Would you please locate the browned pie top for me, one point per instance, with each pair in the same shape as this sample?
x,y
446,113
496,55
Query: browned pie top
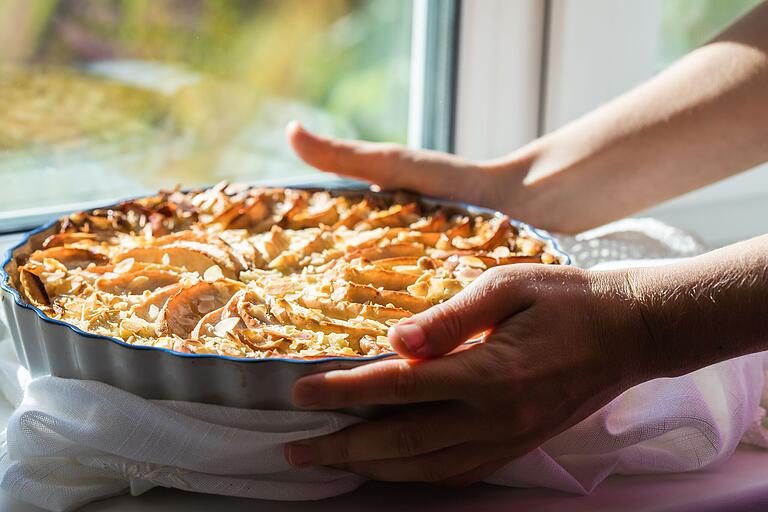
x,y
257,272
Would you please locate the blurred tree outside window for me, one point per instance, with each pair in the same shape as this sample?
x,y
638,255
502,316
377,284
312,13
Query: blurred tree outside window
x,y
687,24
113,98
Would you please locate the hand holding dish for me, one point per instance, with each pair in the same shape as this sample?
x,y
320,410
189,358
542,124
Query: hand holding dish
x,y
560,343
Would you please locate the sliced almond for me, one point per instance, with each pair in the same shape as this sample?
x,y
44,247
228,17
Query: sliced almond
x,y
124,266
224,326
213,273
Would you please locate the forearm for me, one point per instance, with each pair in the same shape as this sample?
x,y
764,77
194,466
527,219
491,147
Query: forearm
x,y
708,309
701,120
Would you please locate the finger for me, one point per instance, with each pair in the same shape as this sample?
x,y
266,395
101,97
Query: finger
x,y
430,467
493,296
405,435
394,381
475,475
390,166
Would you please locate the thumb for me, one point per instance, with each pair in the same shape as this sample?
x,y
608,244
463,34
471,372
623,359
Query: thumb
x,y
391,166
347,157
491,298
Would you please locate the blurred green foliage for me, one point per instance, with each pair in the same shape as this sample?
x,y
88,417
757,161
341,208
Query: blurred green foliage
x,y
347,57
687,24
227,74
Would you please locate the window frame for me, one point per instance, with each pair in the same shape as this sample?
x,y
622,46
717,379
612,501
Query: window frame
x,y
500,70
434,58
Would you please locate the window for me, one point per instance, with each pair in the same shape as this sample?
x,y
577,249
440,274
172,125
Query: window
x,y
598,49
107,99
733,209
101,99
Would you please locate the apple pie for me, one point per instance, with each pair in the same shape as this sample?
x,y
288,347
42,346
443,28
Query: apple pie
x,y
252,272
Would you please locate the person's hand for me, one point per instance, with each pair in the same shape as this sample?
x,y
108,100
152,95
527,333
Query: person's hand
x,y
560,342
432,173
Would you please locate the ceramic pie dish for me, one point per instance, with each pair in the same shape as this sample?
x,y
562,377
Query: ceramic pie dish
x,y
241,290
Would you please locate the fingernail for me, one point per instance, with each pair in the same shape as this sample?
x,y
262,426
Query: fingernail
x,y
293,125
411,335
306,392
298,455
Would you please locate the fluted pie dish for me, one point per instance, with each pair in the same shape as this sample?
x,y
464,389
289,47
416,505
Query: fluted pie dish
x,y
228,294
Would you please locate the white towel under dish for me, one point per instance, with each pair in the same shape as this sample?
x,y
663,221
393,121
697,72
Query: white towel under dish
x,y
71,442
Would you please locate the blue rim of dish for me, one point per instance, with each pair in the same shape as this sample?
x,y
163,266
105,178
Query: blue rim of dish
x,y
5,282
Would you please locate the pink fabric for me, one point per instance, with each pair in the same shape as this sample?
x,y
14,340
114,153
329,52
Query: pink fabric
x,y
662,426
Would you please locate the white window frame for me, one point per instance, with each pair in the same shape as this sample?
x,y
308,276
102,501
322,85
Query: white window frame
x,y
499,76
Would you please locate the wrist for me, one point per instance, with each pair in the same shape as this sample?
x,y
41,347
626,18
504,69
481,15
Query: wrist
x,y
513,195
627,325
546,182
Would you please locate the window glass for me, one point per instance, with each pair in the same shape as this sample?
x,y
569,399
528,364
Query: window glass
x,y
102,99
687,24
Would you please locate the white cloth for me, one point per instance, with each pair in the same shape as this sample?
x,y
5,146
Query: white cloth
x,y
70,442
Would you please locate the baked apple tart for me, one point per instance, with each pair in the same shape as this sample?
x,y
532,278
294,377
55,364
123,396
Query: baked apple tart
x,y
251,272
